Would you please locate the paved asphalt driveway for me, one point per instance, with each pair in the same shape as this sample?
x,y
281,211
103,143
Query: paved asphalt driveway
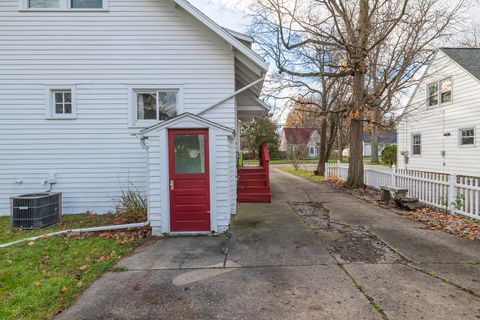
x,y
311,254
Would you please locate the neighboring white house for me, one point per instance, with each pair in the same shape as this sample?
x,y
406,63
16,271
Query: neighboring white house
x,y
97,96
305,138
384,139
439,133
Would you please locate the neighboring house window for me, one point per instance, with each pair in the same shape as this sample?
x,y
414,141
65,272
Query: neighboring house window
x,y
63,4
467,136
155,105
312,151
417,144
439,92
294,149
61,103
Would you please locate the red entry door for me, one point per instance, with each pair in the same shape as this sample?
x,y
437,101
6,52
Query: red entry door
x,y
189,180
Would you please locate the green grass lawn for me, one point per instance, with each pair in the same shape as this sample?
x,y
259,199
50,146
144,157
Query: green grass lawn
x,y
307,174
38,279
285,161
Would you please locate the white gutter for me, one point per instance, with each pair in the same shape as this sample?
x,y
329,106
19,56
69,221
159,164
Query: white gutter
x,y
93,229
232,95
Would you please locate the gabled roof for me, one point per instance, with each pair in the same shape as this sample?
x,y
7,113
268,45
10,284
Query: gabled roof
x,y
467,58
189,116
389,137
227,36
298,136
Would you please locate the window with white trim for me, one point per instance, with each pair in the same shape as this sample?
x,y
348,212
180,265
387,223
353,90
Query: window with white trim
x,y
439,92
467,136
61,103
416,144
155,105
312,151
64,4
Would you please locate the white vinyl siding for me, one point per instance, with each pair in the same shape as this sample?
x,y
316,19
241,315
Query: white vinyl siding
x,y
137,44
440,127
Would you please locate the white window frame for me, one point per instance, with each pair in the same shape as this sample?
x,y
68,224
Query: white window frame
x,y
413,144
50,93
439,93
310,151
132,107
64,5
460,137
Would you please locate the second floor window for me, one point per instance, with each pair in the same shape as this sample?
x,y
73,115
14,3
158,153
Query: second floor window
x,y
66,4
439,92
87,4
44,3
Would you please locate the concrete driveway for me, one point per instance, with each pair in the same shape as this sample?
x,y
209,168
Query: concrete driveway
x,y
310,254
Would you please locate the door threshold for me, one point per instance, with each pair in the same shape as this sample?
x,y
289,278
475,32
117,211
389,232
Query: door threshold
x,y
190,233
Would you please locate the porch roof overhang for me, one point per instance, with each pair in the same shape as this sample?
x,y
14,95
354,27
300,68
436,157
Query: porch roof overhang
x,y
249,105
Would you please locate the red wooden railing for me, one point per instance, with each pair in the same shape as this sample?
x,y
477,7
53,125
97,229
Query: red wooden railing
x,y
264,161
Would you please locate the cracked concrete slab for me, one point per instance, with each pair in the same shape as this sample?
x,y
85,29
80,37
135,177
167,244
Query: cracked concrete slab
x,y
280,267
424,245
404,293
179,253
466,274
316,292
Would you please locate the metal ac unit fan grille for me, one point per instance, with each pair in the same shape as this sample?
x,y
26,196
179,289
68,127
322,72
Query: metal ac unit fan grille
x,y
33,211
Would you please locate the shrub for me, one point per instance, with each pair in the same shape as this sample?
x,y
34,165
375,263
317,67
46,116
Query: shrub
x,y
132,207
389,155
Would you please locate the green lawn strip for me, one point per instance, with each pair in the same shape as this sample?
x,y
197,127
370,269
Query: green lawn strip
x,y
40,278
69,221
285,161
307,174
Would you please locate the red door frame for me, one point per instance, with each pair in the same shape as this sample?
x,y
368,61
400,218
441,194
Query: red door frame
x,y
193,186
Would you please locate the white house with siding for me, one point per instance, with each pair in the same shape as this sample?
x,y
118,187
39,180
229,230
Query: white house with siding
x,y
440,130
97,96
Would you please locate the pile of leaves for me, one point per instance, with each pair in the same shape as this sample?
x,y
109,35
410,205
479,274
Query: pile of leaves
x,y
122,236
453,224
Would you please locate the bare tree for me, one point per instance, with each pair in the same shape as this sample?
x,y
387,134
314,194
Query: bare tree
x,y
314,40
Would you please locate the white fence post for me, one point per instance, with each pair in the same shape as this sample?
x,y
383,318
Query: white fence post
x,y
338,169
452,190
393,172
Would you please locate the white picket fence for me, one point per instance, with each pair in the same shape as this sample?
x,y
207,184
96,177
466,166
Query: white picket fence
x,y
458,194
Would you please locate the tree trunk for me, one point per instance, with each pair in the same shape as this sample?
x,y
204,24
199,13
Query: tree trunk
x,y
340,140
355,169
374,143
323,149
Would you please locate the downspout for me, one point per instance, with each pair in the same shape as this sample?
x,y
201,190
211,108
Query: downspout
x,y
93,229
248,86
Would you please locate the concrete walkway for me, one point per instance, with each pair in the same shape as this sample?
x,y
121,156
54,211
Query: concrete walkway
x,y
311,254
